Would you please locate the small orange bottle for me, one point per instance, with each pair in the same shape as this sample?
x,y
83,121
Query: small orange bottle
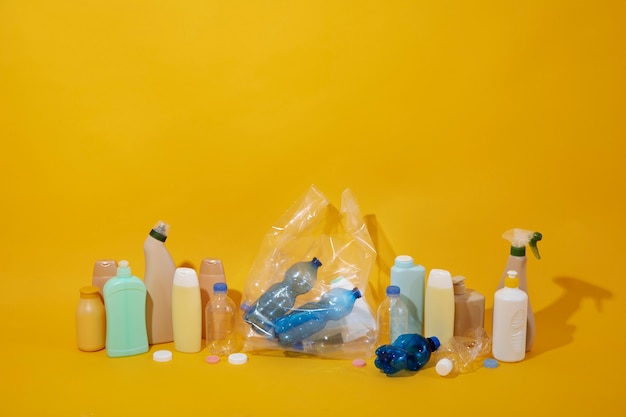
x,y
90,320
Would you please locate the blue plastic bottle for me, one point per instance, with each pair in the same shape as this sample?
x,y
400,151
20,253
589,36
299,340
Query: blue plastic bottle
x,y
281,297
125,304
409,352
310,318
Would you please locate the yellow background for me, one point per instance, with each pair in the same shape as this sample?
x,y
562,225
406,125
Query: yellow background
x,y
452,121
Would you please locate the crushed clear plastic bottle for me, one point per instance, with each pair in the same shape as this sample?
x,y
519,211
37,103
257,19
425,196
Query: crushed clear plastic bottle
x,y
311,318
462,354
280,298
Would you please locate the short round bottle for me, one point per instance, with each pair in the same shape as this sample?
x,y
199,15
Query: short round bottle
x,y
90,320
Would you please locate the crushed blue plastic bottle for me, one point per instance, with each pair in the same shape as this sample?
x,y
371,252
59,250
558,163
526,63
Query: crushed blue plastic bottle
x,y
280,298
408,352
312,317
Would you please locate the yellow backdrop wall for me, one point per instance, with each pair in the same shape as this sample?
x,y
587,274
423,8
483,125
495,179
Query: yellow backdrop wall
x,y
451,121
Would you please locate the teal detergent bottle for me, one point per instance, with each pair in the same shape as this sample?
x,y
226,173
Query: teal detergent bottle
x,y
125,304
520,238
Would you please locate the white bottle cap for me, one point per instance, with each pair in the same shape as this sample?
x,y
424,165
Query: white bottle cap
x,y
162,356
237,358
444,366
185,277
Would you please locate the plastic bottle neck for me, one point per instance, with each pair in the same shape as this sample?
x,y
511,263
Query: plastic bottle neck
x,y
518,250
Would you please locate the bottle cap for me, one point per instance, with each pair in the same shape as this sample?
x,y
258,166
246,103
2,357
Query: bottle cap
x,y
444,366
185,277
359,363
490,363
511,281
439,278
435,343
393,290
404,261
104,268
159,231
220,287
123,269
89,289
210,266
212,359
162,356
316,262
237,358
459,284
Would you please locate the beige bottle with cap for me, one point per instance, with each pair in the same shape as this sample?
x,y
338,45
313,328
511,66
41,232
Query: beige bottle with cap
x,y
469,308
211,272
103,270
159,277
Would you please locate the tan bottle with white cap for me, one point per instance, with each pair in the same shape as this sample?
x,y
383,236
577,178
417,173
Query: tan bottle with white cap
x,y
159,277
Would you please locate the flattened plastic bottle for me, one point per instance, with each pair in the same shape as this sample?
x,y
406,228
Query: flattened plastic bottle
x,y
310,318
280,298
409,352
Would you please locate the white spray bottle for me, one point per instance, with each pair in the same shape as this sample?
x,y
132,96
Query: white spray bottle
x,y
519,238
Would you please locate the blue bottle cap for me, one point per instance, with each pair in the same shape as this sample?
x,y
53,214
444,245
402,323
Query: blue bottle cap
x,y
490,363
393,290
220,287
435,341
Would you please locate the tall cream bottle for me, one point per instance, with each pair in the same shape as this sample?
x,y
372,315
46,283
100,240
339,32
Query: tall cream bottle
x,y
159,277
439,306
186,311
103,270
211,273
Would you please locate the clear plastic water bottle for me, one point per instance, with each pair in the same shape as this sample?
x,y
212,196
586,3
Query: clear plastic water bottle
x,y
220,322
281,297
392,316
310,318
409,352
462,354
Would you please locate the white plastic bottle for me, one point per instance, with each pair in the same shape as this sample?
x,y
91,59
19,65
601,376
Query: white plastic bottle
x,y
186,311
411,279
439,306
158,278
510,308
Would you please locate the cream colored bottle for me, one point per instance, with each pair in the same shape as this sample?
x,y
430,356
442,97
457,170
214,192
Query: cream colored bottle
x,y
469,308
439,306
90,320
211,273
186,311
103,270
159,276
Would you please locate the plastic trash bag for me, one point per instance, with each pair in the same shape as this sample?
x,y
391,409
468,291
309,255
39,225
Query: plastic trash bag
x,y
338,238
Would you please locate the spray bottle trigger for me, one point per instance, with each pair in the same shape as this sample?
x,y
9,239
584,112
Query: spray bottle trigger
x,y
536,237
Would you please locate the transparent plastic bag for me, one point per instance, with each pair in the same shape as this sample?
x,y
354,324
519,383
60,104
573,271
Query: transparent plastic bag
x,y
312,230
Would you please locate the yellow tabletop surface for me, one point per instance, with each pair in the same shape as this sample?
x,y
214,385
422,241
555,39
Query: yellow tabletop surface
x,y
451,121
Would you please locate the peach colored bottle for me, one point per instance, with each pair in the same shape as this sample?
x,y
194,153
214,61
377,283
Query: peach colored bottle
x,y
159,278
103,270
211,273
469,308
90,320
